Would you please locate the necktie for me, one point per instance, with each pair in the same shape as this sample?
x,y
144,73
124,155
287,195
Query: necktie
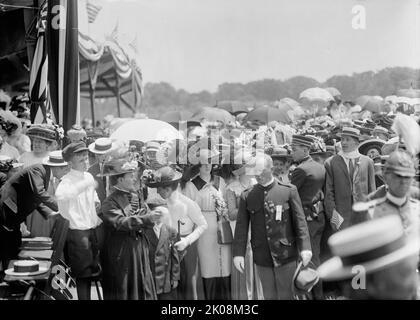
x,y
351,169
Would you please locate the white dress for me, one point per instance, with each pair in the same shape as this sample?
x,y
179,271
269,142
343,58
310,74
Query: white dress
x,y
214,259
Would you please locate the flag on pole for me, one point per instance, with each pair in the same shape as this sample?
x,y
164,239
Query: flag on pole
x,y
39,69
63,61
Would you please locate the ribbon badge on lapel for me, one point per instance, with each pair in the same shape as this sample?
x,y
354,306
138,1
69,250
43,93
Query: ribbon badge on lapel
x,y
269,206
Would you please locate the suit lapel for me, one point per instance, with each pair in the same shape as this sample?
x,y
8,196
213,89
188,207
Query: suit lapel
x,y
342,164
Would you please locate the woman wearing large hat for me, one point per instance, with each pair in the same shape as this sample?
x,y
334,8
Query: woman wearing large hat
x,y
187,217
215,259
126,269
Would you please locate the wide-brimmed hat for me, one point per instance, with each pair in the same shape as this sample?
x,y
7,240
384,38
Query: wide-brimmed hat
x,y
302,140
373,245
370,144
55,159
349,131
25,268
42,131
162,177
116,167
101,146
281,153
379,129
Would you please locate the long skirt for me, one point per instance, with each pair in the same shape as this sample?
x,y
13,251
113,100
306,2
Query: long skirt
x,y
127,273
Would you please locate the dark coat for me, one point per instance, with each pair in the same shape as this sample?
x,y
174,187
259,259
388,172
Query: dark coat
x,y
273,242
127,273
339,193
164,258
24,192
101,189
309,179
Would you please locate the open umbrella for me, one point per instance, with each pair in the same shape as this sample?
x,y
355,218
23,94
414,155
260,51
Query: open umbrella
x,y
146,130
289,101
213,114
334,92
233,107
316,97
268,114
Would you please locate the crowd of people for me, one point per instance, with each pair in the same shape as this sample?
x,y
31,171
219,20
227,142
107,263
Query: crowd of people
x,y
234,211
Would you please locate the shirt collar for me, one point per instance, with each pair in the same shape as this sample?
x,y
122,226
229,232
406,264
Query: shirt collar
x,y
395,200
268,183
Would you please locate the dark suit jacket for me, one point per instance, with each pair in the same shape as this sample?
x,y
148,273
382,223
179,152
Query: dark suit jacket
x,y
23,193
164,258
101,189
339,193
273,242
309,179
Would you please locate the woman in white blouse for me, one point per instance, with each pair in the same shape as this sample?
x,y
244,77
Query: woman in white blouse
x,y
187,218
214,259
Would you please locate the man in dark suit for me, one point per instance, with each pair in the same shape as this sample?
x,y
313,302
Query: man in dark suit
x,y
350,178
24,192
100,148
309,178
279,232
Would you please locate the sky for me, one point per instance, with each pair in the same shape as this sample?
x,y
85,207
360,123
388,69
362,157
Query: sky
x,y
198,44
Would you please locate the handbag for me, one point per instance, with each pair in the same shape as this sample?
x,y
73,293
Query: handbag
x,y
224,231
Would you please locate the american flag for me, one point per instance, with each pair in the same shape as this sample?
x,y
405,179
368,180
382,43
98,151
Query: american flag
x,y
337,219
93,8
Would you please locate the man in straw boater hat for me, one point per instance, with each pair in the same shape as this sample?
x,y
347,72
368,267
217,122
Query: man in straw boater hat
x,y
100,148
309,178
374,260
350,177
279,232
125,243
24,192
78,203
186,216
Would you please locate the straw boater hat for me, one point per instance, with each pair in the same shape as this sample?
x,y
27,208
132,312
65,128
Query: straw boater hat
x,y
101,146
55,159
163,177
373,245
350,132
43,131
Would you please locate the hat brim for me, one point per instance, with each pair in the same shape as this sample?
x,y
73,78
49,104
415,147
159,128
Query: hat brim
x,y
11,272
40,137
165,183
114,173
92,149
281,157
333,269
55,164
340,135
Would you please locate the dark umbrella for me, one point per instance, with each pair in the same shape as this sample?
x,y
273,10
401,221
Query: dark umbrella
x,y
268,114
233,107
213,114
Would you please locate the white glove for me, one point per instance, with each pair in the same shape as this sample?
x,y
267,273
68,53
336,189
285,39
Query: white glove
x,y
239,263
24,230
182,244
306,257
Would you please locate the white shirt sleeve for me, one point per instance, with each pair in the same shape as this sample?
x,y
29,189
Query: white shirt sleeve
x,y
194,213
67,190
